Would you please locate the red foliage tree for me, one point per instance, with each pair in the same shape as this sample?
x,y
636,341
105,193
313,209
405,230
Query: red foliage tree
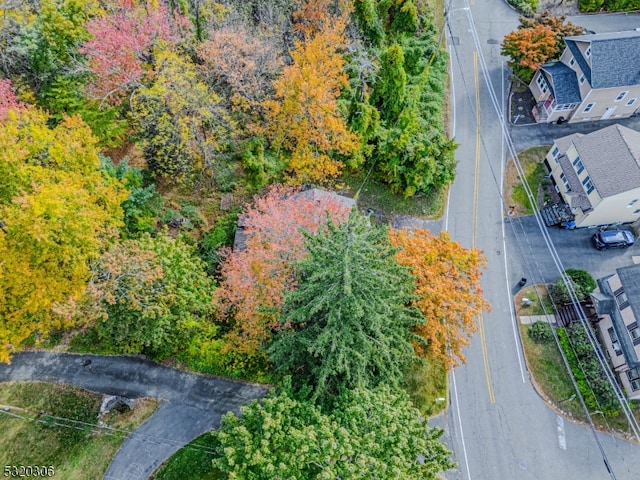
x,y
8,99
256,278
122,49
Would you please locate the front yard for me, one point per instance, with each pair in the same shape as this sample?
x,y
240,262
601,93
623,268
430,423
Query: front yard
x,y
514,193
548,371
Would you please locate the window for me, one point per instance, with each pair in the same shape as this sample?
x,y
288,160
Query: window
x,y
636,212
572,61
634,378
555,152
565,181
615,344
632,203
630,102
587,52
582,79
622,300
588,185
634,332
542,83
588,108
578,164
621,95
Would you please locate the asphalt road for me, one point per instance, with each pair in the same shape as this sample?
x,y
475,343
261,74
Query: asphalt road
x,y
497,425
191,404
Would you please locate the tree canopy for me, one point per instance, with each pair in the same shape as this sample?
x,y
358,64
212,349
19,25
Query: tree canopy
x,y
146,296
349,320
256,278
447,289
537,40
370,434
59,212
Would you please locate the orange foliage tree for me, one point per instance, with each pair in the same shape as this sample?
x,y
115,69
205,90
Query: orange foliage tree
x,y
448,290
304,118
256,278
529,48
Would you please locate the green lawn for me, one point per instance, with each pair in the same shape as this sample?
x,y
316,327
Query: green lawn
x,y
552,380
193,461
55,425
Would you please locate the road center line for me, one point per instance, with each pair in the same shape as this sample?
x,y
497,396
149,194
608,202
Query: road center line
x,y
476,193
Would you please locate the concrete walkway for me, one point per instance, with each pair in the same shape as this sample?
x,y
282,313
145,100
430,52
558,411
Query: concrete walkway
x,y
190,404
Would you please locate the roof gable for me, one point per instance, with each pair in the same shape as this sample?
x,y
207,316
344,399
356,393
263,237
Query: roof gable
x,y
615,58
611,157
564,82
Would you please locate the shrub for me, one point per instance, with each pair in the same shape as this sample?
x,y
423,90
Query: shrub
x,y
582,279
586,366
221,235
540,332
527,8
583,284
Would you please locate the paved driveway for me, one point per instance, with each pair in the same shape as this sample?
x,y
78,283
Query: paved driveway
x,y
530,257
191,404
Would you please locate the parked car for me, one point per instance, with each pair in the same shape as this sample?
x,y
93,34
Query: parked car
x,y
613,239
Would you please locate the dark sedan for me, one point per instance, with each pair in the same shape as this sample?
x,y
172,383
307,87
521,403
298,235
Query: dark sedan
x,y
613,239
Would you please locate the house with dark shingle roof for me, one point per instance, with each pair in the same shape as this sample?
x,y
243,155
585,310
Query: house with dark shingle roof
x,y
598,175
617,304
596,78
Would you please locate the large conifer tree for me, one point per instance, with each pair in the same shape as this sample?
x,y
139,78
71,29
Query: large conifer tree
x,y
350,317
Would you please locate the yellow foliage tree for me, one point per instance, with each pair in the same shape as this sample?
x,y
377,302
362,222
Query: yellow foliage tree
x,y
448,291
304,118
58,212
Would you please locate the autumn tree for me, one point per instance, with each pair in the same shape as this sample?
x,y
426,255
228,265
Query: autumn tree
x,y
8,99
58,213
528,48
121,50
240,63
447,289
182,124
304,119
255,278
350,316
369,434
146,296
558,24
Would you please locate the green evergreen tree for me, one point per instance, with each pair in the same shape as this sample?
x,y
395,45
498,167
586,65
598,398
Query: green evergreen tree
x,y
391,89
350,317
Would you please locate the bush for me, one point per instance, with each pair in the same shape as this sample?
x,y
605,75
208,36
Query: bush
x,y
583,284
586,367
540,332
221,235
527,8
582,279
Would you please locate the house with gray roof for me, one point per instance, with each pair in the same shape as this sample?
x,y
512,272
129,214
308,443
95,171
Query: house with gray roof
x,y
598,175
617,304
596,78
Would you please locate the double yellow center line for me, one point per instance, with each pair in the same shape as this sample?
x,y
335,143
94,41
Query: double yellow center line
x,y
476,193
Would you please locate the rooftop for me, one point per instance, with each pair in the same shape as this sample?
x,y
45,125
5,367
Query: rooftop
x,y
615,58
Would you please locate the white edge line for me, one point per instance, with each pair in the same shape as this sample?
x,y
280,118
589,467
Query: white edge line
x,y
453,134
464,447
514,320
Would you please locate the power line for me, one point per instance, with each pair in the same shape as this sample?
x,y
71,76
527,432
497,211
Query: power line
x,y
49,419
546,237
